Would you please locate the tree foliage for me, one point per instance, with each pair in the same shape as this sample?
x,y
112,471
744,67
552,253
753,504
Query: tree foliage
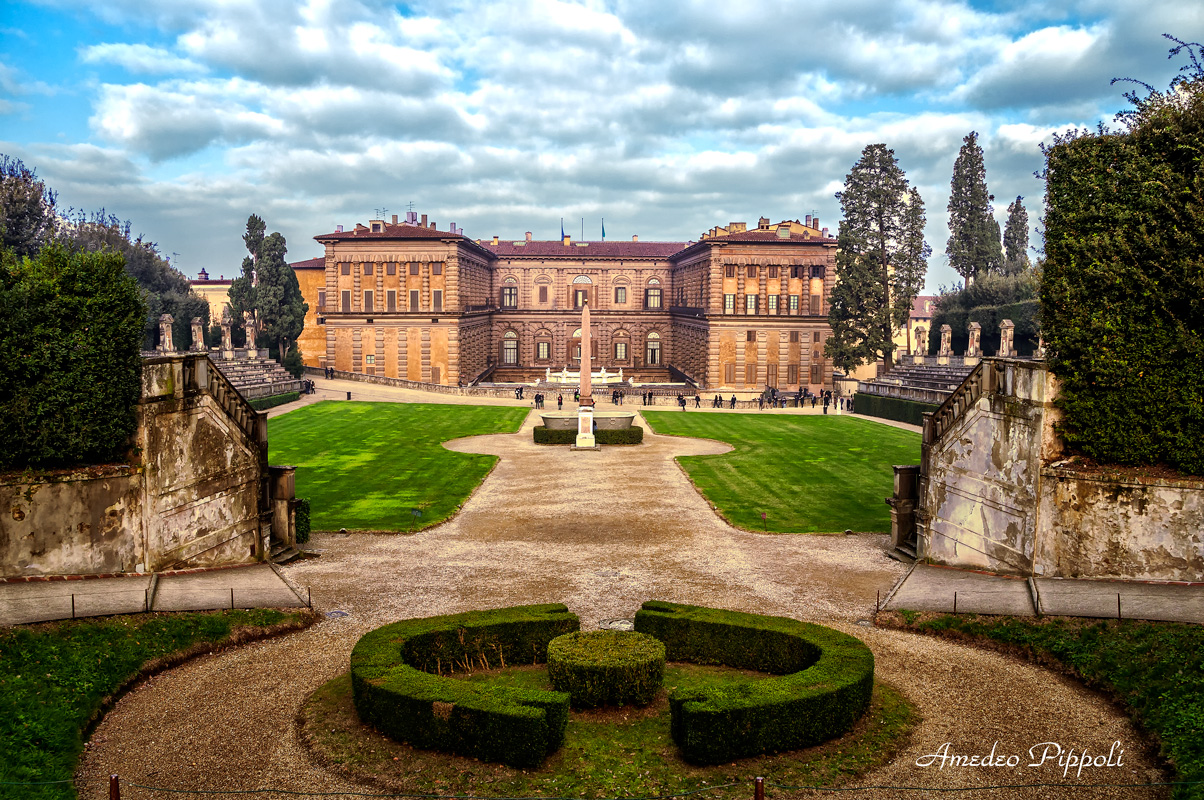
x,y
988,301
1015,239
164,288
269,288
973,247
1122,297
70,335
881,261
27,209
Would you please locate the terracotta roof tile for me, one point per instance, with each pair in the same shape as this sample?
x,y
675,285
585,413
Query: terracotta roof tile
x,y
310,263
390,231
584,250
923,306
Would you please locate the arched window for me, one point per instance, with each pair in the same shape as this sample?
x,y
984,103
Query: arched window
x,y
510,349
652,349
581,287
543,345
653,300
510,293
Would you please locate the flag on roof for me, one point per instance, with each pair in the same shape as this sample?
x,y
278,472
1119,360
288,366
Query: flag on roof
x,y
604,229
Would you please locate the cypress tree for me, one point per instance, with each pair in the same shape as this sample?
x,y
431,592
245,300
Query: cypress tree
x,y
1015,238
973,246
269,287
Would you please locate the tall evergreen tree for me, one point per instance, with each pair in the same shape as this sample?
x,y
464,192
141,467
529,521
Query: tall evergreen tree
x,y
1015,239
269,287
27,209
973,246
881,260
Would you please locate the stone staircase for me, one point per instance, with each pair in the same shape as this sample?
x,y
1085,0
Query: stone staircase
x,y
257,377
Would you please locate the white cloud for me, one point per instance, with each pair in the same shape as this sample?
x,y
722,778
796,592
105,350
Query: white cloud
x,y
139,58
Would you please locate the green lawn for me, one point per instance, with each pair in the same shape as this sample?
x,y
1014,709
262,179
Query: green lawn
x,y
805,473
54,678
370,466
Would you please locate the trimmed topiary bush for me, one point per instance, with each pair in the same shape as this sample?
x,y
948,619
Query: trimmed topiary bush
x,y
264,403
303,524
874,405
398,685
632,435
825,685
607,668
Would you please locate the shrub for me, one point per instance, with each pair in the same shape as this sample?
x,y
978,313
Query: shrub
x,y
1121,300
632,435
607,668
70,337
909,411
302,515
395,691
825,685
264,403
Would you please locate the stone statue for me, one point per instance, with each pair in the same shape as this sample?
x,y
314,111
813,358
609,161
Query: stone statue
x,y
547,374
620,374
602,376
227,324
975,347
198,335
564,374
946,340
1006,330
165,344
1040,353
249,322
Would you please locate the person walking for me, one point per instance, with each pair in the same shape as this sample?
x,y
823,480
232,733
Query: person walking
x,y
760,402
733,401
827,400
697,401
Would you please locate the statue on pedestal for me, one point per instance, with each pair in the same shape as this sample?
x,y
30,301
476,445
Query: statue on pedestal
x,y
227,324
165,344
249,323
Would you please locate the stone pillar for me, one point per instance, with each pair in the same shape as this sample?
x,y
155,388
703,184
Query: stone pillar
x,y
946,345
248,318
974,348
227,340
165,344
198,335
1006,331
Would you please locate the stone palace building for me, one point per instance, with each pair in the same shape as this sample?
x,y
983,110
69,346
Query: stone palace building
x,y
740,309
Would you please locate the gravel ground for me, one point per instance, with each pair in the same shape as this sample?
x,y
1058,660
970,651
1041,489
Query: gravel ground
x,y
601,532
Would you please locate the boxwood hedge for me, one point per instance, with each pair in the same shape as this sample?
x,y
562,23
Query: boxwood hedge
x,y
909,411
826,678
607,668
632,435
398,685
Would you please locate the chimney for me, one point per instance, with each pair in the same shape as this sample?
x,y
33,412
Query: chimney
x,y
411,217
394,219
567,239
528,236
495,239
808,222
815,222
424,220
451,226
338,228
432,224
635,237
825,232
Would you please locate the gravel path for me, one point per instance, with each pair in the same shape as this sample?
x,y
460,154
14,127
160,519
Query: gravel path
x,y
601,532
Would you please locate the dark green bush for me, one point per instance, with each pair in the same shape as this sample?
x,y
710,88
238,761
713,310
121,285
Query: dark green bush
x,y
632,435
607,668
264,403
988,301
302,515
395,691
1122,295
544,435
873,405
825,685
70,340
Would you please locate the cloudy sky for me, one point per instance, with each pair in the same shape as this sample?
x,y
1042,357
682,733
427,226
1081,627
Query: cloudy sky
x,y
663,118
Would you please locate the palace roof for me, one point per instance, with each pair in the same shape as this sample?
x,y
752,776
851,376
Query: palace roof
x,y
583,250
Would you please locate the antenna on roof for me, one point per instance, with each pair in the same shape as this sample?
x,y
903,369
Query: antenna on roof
x,y
410,206
380,213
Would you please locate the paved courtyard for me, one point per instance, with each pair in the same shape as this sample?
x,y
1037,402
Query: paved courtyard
x,y
602,532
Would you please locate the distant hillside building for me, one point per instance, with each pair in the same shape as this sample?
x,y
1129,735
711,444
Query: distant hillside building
x,y
737,310
215,292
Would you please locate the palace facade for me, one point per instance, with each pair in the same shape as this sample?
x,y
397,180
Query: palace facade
x,y
738,310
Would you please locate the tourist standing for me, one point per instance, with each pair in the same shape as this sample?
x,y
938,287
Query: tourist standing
x,y
733,401
560,402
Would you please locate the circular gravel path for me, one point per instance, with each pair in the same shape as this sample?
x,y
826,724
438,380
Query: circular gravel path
x,y
602,532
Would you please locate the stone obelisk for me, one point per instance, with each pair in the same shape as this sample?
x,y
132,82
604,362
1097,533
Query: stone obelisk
x,y
585,408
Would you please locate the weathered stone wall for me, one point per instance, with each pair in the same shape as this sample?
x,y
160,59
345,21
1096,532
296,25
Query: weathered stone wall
x,y
983,473
1120,527
990,500
78,522
199,497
